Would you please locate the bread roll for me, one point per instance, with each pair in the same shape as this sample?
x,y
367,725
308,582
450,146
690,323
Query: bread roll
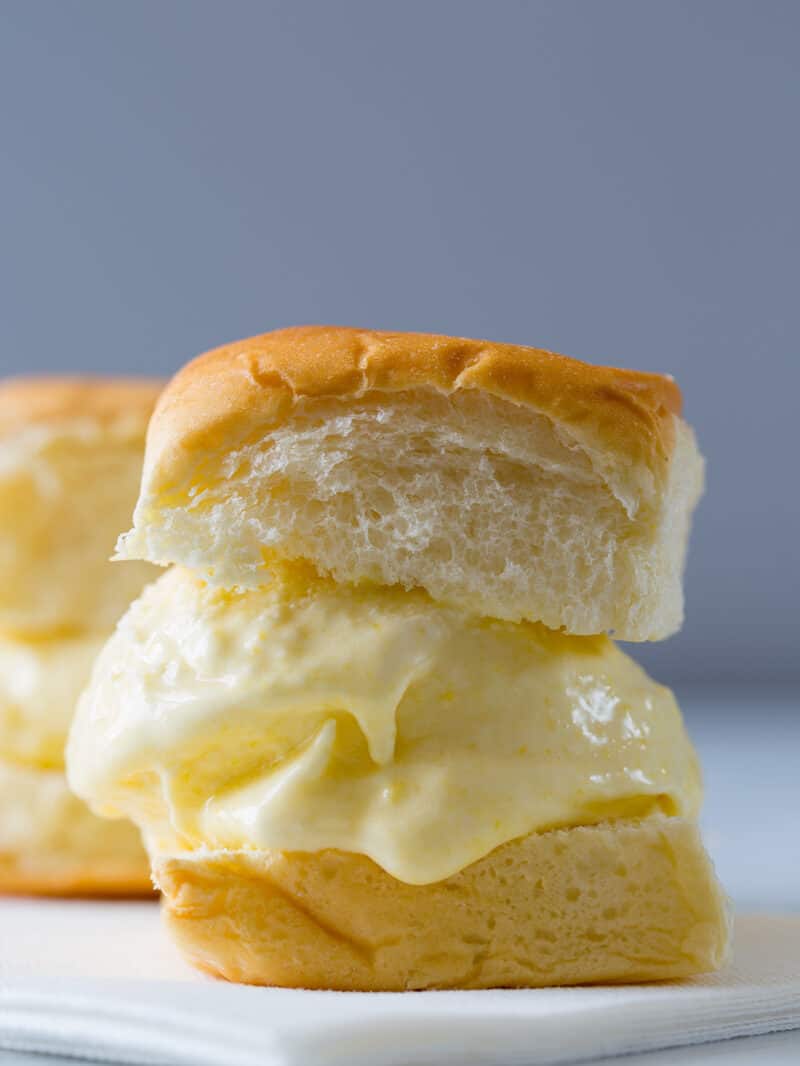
x,y
508,481
630,901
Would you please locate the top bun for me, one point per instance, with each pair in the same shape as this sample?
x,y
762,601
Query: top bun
x,y
71,453
511,481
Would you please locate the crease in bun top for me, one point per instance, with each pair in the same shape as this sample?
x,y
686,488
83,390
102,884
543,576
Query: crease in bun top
x,y
377,675
71,453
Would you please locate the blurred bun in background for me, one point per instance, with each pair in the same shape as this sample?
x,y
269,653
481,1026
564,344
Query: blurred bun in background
x,y
371,724
70,461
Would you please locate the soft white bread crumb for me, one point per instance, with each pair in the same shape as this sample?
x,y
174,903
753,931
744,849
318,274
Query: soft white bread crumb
x,y
567,500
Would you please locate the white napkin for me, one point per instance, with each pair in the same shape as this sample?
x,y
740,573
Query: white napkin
x,y
100,980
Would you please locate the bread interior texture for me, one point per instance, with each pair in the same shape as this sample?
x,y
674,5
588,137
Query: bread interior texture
x,y
479,501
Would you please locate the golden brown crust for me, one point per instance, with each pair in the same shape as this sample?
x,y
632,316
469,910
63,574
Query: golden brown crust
x,y
20,877
634,901
46,400
225,393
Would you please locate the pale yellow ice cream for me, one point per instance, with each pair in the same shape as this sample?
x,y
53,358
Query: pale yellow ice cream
x,y
308,715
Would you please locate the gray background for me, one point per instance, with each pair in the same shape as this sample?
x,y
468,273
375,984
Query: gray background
x,y
617,180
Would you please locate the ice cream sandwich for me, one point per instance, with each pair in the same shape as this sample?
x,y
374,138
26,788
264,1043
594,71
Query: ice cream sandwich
x,y
371,722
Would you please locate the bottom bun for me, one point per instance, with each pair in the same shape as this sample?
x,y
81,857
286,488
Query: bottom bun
x,y
52,844
619,902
